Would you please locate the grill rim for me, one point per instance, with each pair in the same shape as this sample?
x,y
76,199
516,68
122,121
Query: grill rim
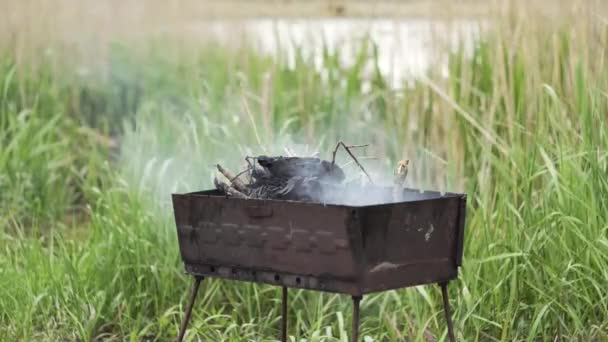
x,y
440,195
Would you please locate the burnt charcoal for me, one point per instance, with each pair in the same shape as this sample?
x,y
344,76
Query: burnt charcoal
x,y
289,178
288,167
265,186
293,178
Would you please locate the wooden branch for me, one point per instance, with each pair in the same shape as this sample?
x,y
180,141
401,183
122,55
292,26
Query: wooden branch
x,y
234,180
227,189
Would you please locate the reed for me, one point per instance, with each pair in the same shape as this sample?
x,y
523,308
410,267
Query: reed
x,y
89,158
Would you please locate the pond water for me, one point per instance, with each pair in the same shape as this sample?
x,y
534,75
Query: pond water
x,y
407,48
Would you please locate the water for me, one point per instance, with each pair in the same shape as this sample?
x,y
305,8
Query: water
x,y
407,48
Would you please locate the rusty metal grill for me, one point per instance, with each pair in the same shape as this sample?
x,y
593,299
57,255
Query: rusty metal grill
x,y
348,249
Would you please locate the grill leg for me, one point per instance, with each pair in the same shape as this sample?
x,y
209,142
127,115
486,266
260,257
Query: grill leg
x,y
182,330
284,316
355,333
446,309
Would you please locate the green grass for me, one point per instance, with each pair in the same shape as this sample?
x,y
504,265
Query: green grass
x,y
88,245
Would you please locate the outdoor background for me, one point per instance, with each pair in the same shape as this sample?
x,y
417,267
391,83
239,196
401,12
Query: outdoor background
x,y
108,107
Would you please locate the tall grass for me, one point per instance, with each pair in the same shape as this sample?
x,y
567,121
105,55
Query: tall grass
x,y
520,126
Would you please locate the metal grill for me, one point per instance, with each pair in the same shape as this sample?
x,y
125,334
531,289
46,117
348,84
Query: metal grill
x,y
353,250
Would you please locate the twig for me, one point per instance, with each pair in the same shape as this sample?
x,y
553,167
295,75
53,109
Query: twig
x,y
347,148
237,183
253,167
239,174
250,167
248,160
340,143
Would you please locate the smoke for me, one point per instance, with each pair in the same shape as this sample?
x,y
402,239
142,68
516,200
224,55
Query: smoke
x,y
168,151
164,154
